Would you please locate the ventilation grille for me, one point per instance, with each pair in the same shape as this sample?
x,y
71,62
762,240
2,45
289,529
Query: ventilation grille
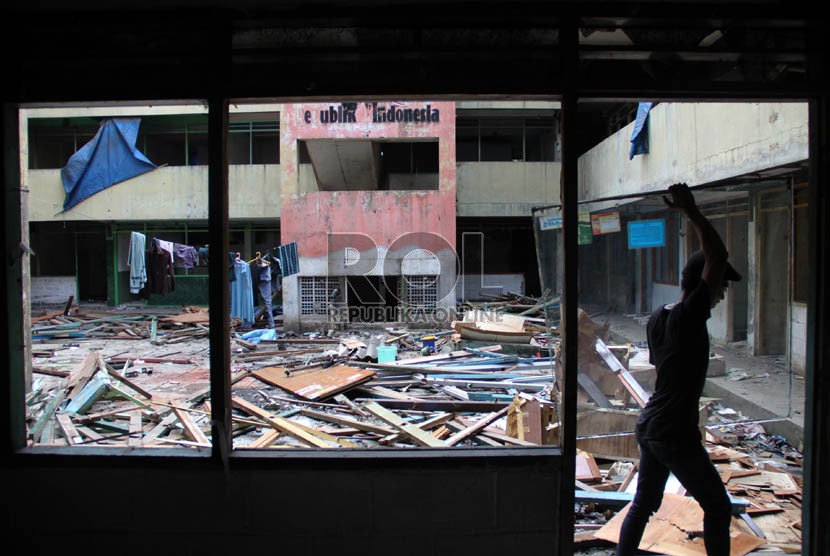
x,y
314,294
421,291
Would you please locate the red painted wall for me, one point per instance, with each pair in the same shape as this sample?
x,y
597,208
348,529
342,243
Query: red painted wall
x,y
382,215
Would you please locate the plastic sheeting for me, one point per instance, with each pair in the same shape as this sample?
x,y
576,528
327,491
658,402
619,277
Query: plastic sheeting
x,y
109,158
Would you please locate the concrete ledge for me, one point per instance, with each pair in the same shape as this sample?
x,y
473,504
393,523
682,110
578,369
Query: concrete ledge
x,y
793,432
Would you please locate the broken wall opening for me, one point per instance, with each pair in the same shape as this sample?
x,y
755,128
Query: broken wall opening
x,y
372,298
375,165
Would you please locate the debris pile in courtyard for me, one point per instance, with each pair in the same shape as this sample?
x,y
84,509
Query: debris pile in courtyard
x,y
143,381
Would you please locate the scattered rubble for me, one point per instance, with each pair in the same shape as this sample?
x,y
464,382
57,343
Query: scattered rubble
x,y
141,380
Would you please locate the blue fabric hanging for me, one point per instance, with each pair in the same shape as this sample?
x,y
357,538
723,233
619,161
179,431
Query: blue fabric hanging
x,y
289,259
639,137
242,294
109,158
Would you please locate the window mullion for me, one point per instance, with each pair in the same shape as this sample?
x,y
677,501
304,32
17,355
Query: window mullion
x,y
218,279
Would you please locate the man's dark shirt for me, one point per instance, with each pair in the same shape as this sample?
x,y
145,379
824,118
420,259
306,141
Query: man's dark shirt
x,y
678,343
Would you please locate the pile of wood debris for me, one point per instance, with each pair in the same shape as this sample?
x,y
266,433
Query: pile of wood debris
x,y
762,475
444,389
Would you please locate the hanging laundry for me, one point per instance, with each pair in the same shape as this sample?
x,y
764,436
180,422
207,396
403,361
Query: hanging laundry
x,y
264,275
161,279
204,255
186,255
289,260
136,262
242,293
232,257
166,245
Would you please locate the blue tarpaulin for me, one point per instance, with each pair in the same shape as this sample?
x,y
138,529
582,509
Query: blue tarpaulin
x,y
639,137
109,158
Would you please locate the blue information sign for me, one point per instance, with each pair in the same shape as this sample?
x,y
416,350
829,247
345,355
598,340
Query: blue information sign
x,y
646,233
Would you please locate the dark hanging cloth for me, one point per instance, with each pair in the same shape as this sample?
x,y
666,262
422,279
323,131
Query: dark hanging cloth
x,y
185,255
639,135
160,277
289,259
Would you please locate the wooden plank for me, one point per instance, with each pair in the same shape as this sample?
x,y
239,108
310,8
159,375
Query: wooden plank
x,y
594,420
68,429
771,479
593,390
387,393
50,372
458,406
633,387
127,382
192,430
460,424
115,392
443,357
587,470
79,376
621,499
344,400
668,530
247,345
504,439
90,434
584,486
88,395
315,385
524,420
346,422
778,528
48,316
752,525
269,437
188,318
415,433
136,429
150,360
161,427
476,427
283,425
620,446
425,425
325,436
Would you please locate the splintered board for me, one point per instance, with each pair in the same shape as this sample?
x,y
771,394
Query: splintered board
x,y
668,531
318,384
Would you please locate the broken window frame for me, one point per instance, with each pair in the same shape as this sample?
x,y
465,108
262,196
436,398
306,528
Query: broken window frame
x,y
217,224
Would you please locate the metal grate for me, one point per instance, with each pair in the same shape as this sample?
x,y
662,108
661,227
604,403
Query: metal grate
x,y
421,291
314,294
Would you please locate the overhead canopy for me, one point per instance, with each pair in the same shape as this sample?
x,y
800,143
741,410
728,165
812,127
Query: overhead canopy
x,y
109,158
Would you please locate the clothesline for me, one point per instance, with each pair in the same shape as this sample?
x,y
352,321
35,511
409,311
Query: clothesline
x,y
151,272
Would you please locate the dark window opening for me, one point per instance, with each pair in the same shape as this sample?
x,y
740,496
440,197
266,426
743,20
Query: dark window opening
x,y
466,140
372,298
534,139
253,142
409,165
502,140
